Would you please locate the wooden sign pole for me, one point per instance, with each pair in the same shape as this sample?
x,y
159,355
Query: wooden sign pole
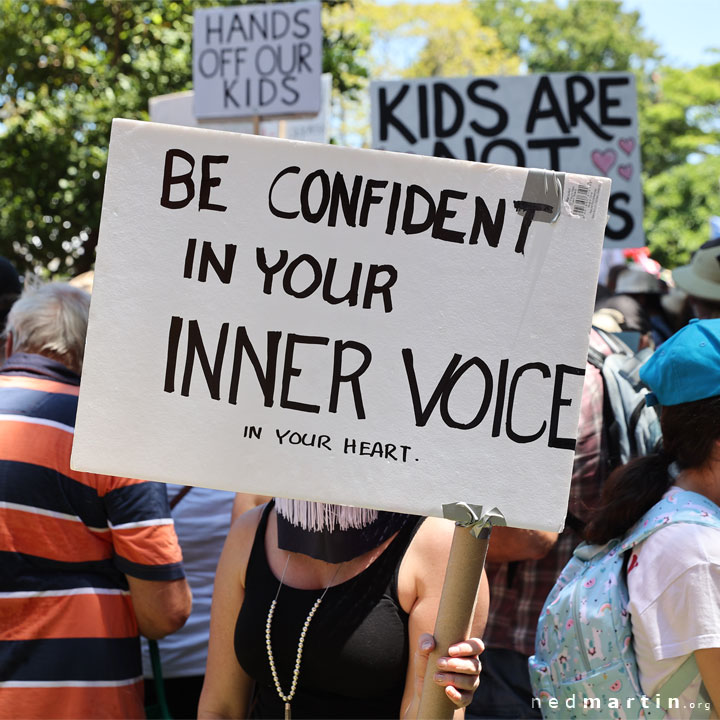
x,y
256,124
456,611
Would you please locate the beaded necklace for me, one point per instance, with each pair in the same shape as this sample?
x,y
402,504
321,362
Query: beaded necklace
x,y
287,699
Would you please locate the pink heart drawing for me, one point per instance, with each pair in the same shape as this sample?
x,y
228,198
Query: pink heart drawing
x,y
626,145
625,171
603,161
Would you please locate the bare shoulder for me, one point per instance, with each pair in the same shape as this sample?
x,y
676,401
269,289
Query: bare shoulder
x,y
433,539
248,521
239,542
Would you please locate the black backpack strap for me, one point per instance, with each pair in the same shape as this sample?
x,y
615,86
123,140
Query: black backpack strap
x,y
183,492
575,524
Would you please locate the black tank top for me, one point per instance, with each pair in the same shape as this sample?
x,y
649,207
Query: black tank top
x,y
356,648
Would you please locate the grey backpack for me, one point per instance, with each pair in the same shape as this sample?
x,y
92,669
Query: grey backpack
x,y
632,428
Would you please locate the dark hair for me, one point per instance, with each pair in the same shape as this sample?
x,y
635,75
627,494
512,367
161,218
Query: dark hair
x,y
689,433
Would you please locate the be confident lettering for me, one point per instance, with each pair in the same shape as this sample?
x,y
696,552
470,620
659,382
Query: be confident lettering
x,y
406,209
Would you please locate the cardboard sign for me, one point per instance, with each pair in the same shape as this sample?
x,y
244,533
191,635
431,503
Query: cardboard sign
x,y
257,60
569,122
361,327
178,109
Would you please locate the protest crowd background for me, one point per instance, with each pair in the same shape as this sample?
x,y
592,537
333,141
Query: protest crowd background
x,y
107,582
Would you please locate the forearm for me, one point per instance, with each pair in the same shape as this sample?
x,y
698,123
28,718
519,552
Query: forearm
x,y
708,661
513,544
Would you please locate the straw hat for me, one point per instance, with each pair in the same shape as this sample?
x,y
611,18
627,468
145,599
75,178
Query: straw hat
x,y
701,277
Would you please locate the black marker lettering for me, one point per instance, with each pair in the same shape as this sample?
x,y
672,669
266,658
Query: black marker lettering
x,y
439,231
196,347
315,217
267,270
315,280
544,88
515,437
502,115
553,145
576,108
483,219
265,376
614,233
487,395
290,372
557,402
369,198
210,181
294,169
529,209
176,324
169,179
606,102
353,377
373,287
387,119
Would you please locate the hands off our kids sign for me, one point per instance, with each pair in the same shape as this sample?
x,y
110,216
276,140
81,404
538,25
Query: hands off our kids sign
x,y
257,60
361,327
570,122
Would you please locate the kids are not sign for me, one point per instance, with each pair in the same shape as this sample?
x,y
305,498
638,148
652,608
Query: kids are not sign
x,y
353,326
568,122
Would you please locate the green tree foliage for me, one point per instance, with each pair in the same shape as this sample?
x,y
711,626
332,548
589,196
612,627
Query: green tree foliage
x,y
577,36
677,108
406,39
680,127
680,203
680,117
67,67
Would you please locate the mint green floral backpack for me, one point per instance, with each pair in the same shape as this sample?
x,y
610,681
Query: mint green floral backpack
x,y
584,663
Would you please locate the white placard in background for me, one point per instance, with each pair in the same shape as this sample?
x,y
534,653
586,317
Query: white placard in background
x,y
257,60
361,327
178,109
571,122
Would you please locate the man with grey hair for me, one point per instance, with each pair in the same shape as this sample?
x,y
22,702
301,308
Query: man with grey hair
x,y
87,562
10,289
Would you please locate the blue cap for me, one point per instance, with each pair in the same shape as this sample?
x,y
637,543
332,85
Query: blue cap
x,y
686,367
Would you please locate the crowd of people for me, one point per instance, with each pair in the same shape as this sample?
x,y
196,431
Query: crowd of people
x,y
268,607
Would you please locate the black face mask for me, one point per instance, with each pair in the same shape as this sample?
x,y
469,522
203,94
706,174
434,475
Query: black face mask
x,y
337,545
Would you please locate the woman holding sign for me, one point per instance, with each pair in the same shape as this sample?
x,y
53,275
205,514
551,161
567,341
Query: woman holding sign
x,y
324,611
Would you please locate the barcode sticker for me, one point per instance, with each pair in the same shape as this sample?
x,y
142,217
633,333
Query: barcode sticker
x,y
581,196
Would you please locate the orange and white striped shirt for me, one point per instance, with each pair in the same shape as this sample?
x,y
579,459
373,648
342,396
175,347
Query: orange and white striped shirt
x,y
69,645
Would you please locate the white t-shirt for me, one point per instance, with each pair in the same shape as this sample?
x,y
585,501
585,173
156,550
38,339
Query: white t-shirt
x,y
674,587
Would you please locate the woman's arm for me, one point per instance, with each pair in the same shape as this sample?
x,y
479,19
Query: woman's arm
x,y
708,661
227,689
419,587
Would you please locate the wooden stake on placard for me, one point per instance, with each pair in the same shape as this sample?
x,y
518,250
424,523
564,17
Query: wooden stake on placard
x,y
282,129
457,605
256,124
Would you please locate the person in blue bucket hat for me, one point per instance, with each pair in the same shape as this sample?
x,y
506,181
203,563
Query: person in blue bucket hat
x,y
673,575
687,367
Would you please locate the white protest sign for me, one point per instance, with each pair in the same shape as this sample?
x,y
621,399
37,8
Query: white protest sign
x,y
178,109
257,60
570,122
361,327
